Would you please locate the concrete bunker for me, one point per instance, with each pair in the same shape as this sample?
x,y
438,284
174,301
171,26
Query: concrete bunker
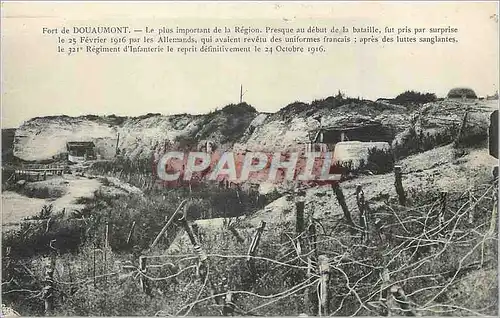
x,y
326,138
80,151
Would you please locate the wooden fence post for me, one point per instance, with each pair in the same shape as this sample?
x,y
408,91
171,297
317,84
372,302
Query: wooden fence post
x,y
470,218
253,247
143,280
165,227
458,139
299,204
196,232
106,236
105,250
398,183
341,199
202,257
311,293
442,210
378,227
384,293
311,231
310,249
324,297
130,232
189,231
94,262
48,291
494,213
236,234
360,200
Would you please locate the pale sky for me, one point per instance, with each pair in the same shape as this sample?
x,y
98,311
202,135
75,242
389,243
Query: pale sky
x,y
37,81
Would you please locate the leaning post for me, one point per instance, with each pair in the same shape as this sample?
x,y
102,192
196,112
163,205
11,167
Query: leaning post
x,y
341,200
324,273
143,280
398,183
442,211
360,200
253,247
48,292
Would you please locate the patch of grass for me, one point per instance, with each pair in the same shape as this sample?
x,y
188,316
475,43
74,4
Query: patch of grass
x,y
413,142
420,259
42,190
238,109
413,97
148,115
34,238
355,266
45,213
379,161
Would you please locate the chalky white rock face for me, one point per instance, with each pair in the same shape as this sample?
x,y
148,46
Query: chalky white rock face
x,y
136,138
278,135
44,138
438,117
139,137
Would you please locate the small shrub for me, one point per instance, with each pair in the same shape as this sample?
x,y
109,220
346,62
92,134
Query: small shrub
x,y
35,238
380,161
117,120
462,92
237,109
45,213
422,262
148,115
412,97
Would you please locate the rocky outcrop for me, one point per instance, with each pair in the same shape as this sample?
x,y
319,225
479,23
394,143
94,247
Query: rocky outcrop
x,y
45,138
442,120
238,127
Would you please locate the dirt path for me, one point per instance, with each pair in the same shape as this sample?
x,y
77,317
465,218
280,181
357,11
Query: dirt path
x,y
15,206
78,187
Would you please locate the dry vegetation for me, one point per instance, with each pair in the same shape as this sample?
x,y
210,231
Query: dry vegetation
x,y
435,255
428,257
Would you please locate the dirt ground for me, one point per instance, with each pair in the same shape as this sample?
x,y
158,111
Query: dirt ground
x,y
16,207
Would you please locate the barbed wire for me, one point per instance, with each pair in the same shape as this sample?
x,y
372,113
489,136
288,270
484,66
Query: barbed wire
x,y
431,236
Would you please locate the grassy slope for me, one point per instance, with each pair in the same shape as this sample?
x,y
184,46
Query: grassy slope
x,y
450,274
454,273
